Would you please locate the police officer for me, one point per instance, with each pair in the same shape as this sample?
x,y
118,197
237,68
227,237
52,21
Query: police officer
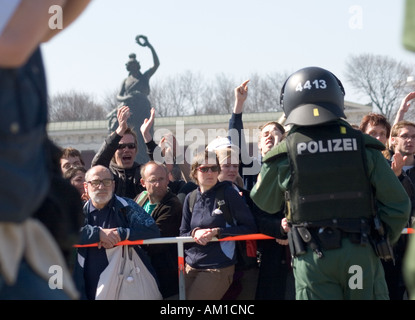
x,y
343,203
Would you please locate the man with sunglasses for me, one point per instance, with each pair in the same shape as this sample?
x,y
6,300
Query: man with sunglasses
x,y
118,153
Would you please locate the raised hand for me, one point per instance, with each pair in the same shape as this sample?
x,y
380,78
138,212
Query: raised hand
x,y
123,113
146,126
241,93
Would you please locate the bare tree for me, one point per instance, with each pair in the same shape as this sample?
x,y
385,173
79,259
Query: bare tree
x,y
182,94
187,93
74,106
264,92
223,96
158,99
109,102
381,79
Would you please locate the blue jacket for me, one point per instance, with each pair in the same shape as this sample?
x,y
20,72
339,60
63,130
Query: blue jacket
x,y
249,167
215,254
24,159
133,223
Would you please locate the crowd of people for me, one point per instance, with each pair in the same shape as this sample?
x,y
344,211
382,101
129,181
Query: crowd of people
x,y
318,189
163,191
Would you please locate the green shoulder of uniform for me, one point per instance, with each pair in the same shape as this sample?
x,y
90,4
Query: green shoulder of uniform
x,y
277,151
373,143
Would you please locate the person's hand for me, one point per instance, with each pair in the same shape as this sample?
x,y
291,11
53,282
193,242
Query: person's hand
x,y
241,93
397,163
146,126
123,113
168,148
85,196
406,102
404,107
108,238
203,236
285,226
282,242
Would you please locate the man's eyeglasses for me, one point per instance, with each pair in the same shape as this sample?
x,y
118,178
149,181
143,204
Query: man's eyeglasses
x,y
406,137
97,183
154,181
272,132
126,145
206,169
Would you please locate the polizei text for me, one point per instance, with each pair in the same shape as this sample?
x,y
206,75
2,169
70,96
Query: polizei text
x,y
331,145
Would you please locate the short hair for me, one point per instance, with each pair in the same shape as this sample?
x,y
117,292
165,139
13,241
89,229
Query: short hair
x,y
72,152
132,132
204,157
375,119
401,124
151,162
279,126
275,123
72,171
88,172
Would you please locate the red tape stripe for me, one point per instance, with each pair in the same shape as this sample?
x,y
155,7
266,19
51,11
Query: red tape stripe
x,y
254,236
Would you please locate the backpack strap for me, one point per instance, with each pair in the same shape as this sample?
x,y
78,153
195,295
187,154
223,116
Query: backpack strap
x,y
141,198
192,200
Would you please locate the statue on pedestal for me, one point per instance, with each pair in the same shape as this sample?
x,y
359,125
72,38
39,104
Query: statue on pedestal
x,y
134,94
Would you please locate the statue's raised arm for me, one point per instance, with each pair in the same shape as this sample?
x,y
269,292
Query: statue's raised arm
x,y
143,41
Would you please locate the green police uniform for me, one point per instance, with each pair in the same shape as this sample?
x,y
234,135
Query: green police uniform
x,y
353,270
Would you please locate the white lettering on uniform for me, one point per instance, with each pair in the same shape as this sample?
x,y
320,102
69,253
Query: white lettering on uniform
x,y
312,147
337,145
322,146
301,147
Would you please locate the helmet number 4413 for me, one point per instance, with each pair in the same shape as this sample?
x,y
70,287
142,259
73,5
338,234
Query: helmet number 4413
x,y
317,84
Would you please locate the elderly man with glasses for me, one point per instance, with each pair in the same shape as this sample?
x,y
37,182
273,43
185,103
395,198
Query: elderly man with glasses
x,y
109,219
118,153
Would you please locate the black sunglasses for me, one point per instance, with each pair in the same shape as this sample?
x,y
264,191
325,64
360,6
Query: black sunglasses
x,y
206,169
126,145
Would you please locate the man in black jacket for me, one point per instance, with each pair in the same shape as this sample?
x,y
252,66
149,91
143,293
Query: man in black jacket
x,y
118,153
166,210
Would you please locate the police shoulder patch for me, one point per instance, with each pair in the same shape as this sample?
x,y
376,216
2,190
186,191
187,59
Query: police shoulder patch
x,y
277,151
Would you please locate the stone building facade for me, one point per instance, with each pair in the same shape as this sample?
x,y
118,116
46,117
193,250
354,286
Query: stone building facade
x,y
191,131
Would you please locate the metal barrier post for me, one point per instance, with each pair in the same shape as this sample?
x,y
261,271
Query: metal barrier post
x,y
180,255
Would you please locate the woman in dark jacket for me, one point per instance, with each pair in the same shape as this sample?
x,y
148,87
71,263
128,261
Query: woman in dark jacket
x,y
210,265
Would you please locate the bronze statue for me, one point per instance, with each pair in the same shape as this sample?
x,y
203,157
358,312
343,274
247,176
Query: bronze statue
x,y
134,94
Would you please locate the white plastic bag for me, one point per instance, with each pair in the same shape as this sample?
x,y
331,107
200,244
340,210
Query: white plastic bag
x,y
126,277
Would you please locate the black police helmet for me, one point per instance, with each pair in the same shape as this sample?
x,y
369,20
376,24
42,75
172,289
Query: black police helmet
x,y
312,96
